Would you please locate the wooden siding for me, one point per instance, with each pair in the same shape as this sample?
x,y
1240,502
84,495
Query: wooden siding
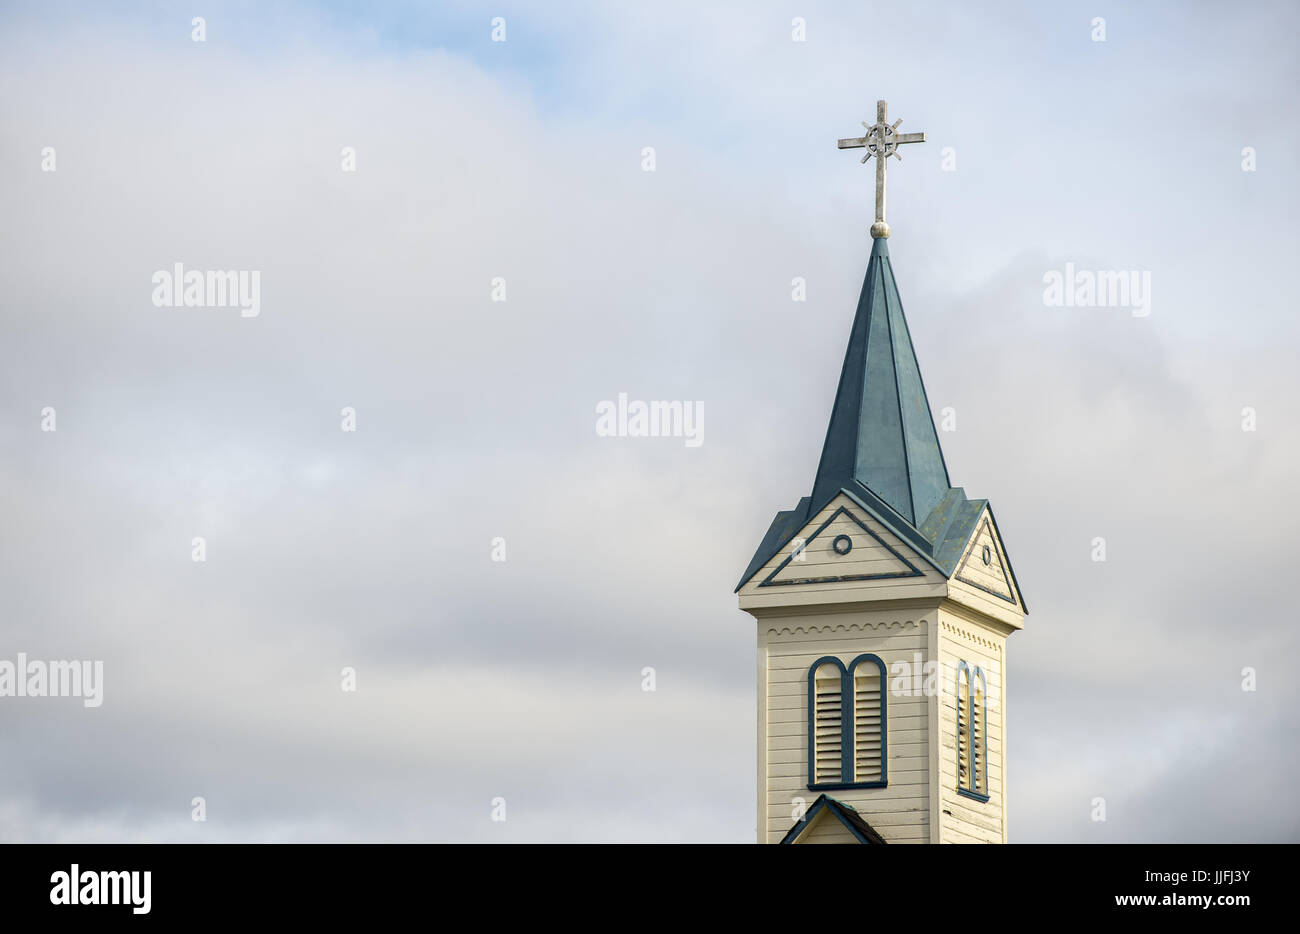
x,y
963,819
789,646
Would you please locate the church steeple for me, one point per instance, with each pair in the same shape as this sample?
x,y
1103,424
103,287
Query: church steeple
x,y
881,434
883,603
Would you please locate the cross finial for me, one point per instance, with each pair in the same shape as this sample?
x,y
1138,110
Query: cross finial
x,y
881,141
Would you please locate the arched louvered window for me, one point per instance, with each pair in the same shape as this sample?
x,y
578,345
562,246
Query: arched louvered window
x,y
867,673
847,723
978,737
826,723
963,726
972,733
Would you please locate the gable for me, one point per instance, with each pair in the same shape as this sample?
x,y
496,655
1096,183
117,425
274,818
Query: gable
x,y
831,821
845,547
842,547
984,565
826,827
940,528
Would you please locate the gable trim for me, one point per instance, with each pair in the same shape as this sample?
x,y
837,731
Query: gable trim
x,y
912,570
1006,559
865,834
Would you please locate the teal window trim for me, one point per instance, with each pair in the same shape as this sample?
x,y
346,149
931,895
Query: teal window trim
x,y
847,732
972,788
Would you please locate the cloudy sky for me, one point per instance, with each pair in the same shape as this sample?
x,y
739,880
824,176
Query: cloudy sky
x,y
523,161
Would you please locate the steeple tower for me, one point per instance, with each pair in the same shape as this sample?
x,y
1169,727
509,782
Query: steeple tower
x,y
883,603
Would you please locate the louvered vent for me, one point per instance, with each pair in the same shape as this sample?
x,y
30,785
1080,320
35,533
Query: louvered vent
x,y
867,699
828,721
979,781
963,729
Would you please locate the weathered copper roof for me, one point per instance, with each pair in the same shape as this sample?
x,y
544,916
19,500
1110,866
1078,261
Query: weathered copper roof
x,y
881,433
881,446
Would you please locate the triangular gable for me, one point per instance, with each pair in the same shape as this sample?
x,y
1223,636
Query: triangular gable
x,y
984,564
831,821
803,519
844,546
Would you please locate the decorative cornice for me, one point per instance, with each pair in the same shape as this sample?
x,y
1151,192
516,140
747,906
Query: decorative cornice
x,y
843,627
971,637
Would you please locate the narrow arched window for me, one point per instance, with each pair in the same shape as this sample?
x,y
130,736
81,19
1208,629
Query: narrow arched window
x,y
963,726
826,722
867,673
847,723
979,736
972,733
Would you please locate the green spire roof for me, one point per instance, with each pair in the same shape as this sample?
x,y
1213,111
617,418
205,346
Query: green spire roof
x,y
881,433
881,448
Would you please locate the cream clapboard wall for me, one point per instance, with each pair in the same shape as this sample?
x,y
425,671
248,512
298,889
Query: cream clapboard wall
x,y
900,811
963,819
819,622
982,608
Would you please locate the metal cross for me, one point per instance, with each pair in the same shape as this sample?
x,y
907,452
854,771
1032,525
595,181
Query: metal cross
x,y
881,141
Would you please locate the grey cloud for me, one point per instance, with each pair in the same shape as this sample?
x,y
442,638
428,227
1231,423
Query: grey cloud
x,y
476,419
